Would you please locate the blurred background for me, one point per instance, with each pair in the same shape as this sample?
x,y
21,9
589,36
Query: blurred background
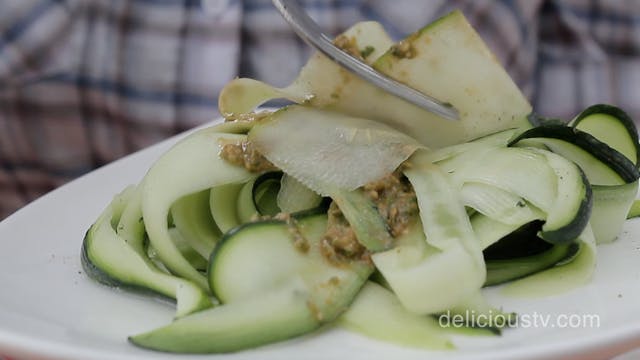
x,y
85,82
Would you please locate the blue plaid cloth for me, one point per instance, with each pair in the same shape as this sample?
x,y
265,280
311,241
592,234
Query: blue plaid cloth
x,y
84,82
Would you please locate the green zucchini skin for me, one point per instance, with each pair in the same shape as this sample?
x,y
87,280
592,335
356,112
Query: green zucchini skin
x,y
109,260
224,241
245,208
609,170
271,290
321,209
97,274
522,253
362,214
570,231
191,165
273,317
537,120
601,151
502,271
527,175
621,116
269,208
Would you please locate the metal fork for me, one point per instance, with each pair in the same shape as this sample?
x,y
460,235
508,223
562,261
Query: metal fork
x,y
311,33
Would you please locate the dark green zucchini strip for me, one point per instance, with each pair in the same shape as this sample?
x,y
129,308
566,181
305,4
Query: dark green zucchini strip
x,y
108,259
536,120
501,271
523,253
265,193
587,142
621,118
362,214
270,288
568,231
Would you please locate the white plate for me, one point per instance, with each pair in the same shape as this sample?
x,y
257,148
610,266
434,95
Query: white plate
x,y
49,309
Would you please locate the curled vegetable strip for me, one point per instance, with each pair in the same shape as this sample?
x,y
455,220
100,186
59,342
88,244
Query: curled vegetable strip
x,y
447,60
193,219
567,275
449,268
223,206
326,150
232,327
294,196
119,204
498,204
319,82
270,290
131,227
490,230
444,220
377,313
133,269
192,165
572,188
523,164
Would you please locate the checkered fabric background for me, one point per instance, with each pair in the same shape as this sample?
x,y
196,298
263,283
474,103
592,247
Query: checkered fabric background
x,y
85,82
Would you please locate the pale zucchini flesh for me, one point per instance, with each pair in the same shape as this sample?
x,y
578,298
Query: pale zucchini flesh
x,y
450,62
192,217
192,165
611,204
294,196
131,224
246,209
377,313
223,205
512,170
571,210
498,204
109,259
319,81
612,126
332,150
442,269
271,291
277,315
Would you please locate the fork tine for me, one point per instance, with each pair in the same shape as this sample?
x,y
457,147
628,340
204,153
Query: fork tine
x,y
310,32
